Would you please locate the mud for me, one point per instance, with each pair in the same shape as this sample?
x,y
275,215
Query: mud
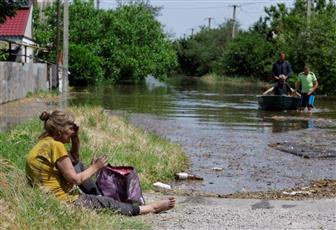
x,y
305,150
21,110
253,162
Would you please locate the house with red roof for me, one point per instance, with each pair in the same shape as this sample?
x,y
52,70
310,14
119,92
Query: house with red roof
x,y
17,32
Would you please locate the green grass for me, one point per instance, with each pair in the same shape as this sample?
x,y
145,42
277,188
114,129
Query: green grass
x,y
43,93
230,80
23,207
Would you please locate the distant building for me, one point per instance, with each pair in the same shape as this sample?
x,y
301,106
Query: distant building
x,y
17,32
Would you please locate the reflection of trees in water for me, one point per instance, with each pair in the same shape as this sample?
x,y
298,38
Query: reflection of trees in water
x,y
284,126
130,97
284,121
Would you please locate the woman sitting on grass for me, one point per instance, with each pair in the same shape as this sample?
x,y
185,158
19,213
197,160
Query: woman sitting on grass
x,y
50,167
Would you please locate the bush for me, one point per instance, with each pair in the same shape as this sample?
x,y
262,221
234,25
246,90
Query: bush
x,y
85,67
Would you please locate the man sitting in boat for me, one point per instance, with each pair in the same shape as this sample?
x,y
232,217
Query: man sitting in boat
x,y
281,87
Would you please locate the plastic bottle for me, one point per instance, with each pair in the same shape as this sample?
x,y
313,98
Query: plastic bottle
x,y
185,176
162,185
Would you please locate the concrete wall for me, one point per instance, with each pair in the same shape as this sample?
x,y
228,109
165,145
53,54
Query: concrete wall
x,y
18,79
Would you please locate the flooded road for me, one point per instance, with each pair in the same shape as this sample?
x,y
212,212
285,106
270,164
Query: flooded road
x,y
219,125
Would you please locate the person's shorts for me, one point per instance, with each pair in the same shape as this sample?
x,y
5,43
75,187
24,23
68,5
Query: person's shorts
x,y
307,100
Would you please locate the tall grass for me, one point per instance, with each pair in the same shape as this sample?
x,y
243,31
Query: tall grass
x,y
23,207
231,80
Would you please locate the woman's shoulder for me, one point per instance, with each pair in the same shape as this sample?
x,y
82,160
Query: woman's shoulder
x,y
50,140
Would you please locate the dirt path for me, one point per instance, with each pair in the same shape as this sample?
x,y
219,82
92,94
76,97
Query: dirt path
x,y
214,213
23,109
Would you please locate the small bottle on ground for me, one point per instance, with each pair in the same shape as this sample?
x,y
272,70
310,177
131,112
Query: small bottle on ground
x,y
186,176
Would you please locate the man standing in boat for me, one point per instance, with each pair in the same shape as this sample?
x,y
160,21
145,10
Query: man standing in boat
x,y
281,68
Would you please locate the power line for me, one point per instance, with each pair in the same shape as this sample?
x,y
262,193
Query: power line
x,y
105,2
204,1
231,1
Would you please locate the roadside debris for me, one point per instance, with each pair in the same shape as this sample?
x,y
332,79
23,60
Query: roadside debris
x,y
217,169
296,192
325,188
305,150
162,185
185,176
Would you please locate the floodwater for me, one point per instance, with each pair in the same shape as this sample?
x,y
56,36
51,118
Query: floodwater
x,y
219,125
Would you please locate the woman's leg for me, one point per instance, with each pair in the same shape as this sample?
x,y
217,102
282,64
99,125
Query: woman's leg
x,y
101,202
88,186
158,207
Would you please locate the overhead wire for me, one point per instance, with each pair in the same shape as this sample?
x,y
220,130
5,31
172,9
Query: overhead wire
x,y
210,2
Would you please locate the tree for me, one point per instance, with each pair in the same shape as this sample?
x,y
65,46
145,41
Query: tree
x,y
198,55
127,43
134,45
311,42
248,55
7,9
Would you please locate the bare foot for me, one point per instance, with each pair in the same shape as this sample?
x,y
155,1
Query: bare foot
x,y
159,206
164,205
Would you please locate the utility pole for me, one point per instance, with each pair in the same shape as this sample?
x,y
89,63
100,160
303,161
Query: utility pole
x,y
234,21
309,5
65,47
97,4
58,15
209,22
192,31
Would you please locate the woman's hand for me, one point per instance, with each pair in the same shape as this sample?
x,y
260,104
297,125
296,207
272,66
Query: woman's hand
x,y
75,145
99,162
75,137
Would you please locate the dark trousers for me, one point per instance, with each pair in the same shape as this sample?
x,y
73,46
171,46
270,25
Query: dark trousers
x,y
103,202
88,186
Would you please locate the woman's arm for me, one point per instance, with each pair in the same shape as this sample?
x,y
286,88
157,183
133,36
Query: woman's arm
x,y
64,164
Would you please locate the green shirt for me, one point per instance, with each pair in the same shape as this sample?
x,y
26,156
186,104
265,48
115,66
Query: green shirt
x,y
306,81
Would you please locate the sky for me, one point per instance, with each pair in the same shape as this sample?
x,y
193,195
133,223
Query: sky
x,y
179,17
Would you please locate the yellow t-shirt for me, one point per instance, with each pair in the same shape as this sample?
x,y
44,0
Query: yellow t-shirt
x,y
41,169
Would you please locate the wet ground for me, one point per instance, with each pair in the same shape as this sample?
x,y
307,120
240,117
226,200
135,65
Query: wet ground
x,y
21,110
248,159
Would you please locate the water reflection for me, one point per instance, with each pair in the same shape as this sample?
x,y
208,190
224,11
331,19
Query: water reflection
x,y
198,104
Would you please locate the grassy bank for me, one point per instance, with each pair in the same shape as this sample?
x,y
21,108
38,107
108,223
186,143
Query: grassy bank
x,y
22,207
234,81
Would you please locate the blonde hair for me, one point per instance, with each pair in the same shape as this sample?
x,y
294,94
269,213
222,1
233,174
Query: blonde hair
x,y
55,122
